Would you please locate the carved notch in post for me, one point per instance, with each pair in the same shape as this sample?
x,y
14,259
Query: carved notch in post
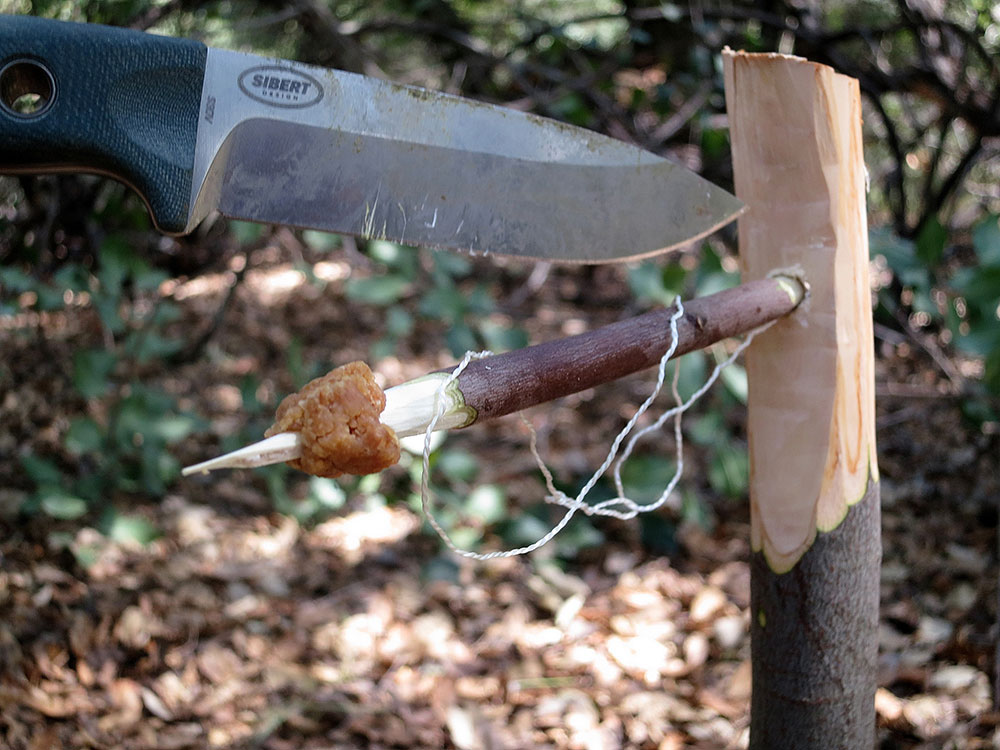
x,y
798,165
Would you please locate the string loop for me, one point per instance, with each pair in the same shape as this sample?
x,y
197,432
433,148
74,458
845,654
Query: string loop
x,y
620,506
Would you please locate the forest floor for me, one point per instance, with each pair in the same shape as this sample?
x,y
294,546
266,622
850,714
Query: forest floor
x,y
243,628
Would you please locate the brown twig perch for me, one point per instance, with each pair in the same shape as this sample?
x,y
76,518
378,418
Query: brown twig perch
x,y
522,378
509,382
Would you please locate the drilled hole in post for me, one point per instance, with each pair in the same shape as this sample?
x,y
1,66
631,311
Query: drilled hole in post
x,y
27,88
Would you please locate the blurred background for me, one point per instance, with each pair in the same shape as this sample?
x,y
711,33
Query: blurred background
x,y
270,609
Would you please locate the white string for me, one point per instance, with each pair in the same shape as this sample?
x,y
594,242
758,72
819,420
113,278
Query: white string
x,y
611,507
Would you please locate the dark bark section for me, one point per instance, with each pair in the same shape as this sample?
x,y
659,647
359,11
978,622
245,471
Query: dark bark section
x,y
814,655
525,377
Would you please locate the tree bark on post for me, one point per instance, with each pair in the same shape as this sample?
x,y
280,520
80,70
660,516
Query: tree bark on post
x,y
798,165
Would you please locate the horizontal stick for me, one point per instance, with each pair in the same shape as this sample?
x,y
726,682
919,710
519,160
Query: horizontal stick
x,y
518,379
505,383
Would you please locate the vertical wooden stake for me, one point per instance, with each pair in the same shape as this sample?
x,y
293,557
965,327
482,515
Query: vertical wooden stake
x,y
797,158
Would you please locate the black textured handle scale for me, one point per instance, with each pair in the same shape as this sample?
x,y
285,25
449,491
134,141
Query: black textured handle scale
x,y
83,97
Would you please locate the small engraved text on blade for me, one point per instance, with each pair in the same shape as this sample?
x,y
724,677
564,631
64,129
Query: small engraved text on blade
x,y
280,86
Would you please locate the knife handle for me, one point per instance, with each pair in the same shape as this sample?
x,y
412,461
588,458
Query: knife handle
x,y
89,98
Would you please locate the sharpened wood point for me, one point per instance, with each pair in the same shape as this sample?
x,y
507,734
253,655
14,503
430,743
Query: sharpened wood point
x,y
502,384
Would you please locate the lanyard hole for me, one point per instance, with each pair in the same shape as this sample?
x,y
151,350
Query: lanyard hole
x,y
27,88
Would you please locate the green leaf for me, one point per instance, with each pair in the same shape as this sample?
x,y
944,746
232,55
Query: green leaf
x,y
981,341
86,555
901,257
465,537
83,436
94,487
481,300
440,568
571,107
980,411
647,284
523,529
714,143
488,503
141,413
398,322
457,465
712,276
147,277
382,348
377,290
729,470
460,339
147,346
323,242
734,378
107,308
707,428
897,251
980,286
41,470
452,264
645,477
92,370
931,241
692,375
116,259
60,504
658,534
991,374
295,362
673,277
986,240
695,510
48,298
393,255
580,534
249,384
159,469
444,302
172,428
72,276
501,338
16,281
131,530
246,232
327,492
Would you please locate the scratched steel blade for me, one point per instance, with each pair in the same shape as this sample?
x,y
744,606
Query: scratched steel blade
x,y
291,144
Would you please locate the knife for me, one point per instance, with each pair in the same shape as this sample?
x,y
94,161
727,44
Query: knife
x,y
194,129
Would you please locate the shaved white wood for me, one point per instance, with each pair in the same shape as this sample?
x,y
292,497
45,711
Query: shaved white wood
x,y
409,408
798,166
285,446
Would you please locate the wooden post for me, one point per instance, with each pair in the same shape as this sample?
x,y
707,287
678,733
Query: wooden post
x,y
797,160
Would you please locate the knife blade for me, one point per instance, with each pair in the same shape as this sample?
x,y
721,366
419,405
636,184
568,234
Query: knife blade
x,y
195,129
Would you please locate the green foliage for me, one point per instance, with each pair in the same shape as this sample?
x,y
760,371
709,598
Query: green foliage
x,y
469,512
127,529
976,305
972,312
931,242
448,296
126,448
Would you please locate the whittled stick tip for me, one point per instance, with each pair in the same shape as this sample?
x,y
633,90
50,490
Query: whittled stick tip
x,y
285,446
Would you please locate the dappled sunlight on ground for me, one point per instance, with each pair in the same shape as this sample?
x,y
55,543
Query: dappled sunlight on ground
x,y
240,627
